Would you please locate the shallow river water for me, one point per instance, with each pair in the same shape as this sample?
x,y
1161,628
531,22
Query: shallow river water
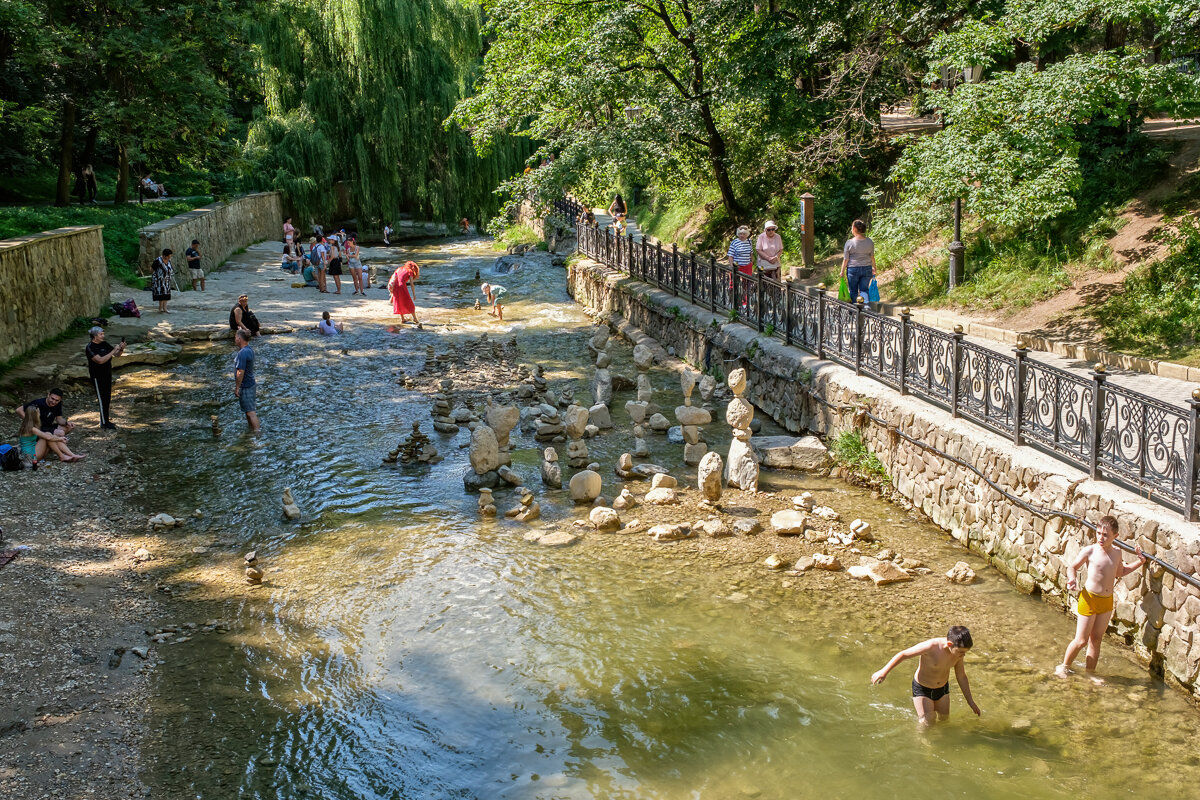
x,y
402,648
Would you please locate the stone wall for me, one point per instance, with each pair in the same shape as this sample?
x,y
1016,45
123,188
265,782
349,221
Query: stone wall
x,y
46,281
559,234
1158,616
222,228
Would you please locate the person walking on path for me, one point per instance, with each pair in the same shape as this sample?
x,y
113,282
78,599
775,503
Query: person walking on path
x,y
402,301
160,280
618,207
99,357
244,386
741,252
192,254
769,247
241,318
89,183
858,261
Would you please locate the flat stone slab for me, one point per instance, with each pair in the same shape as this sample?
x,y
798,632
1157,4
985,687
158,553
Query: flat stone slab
x,y
790,452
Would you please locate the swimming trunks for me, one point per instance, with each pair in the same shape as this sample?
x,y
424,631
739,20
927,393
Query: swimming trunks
x,y
933,694
1092,605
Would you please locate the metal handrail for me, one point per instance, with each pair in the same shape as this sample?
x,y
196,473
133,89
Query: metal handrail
x,y
1114,433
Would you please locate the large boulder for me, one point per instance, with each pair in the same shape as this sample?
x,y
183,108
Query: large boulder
x,y
604,519
879,572
575,419
708,476
663,480
788,452
502,420
602,387
661,497
585,486
659,423
484,453
671,532
961,572
643,357
637,411
741,468
739,413
599,416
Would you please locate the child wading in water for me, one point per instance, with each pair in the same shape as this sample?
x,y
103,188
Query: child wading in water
x,y
931,684
493,292
1095,607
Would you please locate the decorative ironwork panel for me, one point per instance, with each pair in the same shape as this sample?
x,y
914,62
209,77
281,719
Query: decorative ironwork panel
x,y
839,330
1057,413
802,308
724,284
703,281
881,348
1145,442
747,298
930,368
987,387
772,310
685,274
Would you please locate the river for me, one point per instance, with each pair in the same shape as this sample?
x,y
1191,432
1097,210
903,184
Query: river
x,y
403,648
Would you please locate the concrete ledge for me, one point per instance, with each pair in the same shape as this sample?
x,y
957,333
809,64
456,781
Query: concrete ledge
x,y
1157,614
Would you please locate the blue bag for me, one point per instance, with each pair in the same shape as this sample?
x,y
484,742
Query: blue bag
x,y
873,291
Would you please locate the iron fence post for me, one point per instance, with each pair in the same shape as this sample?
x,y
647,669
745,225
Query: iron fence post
x,y
858,315
758,312
821,320
905,327
1021,352
692,275
1189,495
1099,375
956,371
787,312
675,269
658,262
712,285
735,285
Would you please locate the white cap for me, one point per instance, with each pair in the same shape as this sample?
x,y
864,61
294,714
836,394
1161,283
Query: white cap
x,y
769,224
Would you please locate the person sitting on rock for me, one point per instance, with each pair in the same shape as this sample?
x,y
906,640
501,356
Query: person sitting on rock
x,y
241,318
327,327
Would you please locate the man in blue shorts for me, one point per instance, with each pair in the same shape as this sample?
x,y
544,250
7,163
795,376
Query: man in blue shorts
x,y
243,377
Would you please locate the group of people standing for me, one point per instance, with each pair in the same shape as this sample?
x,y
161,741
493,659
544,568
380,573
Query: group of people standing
x,y
324,259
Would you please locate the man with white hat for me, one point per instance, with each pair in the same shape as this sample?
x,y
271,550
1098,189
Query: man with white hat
x,y
769,247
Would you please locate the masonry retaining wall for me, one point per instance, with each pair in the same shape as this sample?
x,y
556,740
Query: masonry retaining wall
x,y
46,281
221,228
1157,615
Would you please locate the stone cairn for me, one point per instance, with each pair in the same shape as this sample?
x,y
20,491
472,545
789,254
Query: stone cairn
x,y
290,509
486,461
443,421
602,383
487,504
254,573
576,420
549,425
502,419
551,469
690,419
414,449
741,468
526,510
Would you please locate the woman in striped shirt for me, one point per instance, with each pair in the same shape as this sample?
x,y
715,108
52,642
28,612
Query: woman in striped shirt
x,y
741,251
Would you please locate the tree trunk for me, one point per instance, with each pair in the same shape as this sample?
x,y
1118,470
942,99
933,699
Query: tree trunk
x,y
66,150
122,193
716,157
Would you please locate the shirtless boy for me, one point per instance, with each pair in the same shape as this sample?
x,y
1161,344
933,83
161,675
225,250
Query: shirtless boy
x,y
1095,606
931,684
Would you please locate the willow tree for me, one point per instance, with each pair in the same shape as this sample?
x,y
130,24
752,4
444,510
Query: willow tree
x,y
358,91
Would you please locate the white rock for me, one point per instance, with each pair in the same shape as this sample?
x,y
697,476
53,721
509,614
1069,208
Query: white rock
x,y
625,500
660,480
585,486
162,521
575,420
736,381
861,530
774,562
824,561
789,522
961,572
739,413
671,532
637,411
485,450
643,357
708,476
825,512
741,469
880,572
661,497
804,501
604,519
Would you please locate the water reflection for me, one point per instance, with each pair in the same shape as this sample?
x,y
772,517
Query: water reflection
x,y
404,649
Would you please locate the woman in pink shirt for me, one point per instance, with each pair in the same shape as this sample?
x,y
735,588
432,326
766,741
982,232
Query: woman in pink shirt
x,y
289,231
769,247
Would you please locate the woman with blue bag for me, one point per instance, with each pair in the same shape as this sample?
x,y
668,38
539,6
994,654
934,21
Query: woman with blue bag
x,y
858,264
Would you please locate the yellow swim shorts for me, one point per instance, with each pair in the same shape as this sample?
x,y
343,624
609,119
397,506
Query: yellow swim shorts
x,y
1091,605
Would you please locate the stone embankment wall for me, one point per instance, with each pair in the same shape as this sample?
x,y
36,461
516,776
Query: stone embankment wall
x,y
46,281
221,228
558,233
1157,615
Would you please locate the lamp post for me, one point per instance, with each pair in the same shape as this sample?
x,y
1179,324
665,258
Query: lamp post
x,y
957,249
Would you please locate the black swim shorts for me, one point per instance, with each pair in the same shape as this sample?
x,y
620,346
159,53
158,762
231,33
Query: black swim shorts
x,y
932,694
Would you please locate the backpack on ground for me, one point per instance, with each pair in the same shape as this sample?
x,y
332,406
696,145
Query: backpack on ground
x,y
127,309
10,458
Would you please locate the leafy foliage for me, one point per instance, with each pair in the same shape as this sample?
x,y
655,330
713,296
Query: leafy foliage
x,y
850,450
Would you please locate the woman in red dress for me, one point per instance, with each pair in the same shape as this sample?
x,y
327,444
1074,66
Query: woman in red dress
x,y
402,302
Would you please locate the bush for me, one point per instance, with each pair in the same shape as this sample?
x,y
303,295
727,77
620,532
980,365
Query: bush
x,y
517,235
849,450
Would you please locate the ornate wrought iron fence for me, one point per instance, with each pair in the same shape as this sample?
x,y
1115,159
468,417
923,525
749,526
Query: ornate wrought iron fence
x,y
1112,432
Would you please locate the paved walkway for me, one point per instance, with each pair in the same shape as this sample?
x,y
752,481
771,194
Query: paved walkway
x,y
1176,391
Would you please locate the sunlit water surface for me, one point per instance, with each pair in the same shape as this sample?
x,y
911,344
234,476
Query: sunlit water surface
x,y
403,648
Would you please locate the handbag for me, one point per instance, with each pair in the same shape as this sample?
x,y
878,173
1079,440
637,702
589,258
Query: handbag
x,y
873,291
843,290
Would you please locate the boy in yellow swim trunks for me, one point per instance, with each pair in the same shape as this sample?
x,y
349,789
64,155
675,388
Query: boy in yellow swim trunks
x,y
1095,607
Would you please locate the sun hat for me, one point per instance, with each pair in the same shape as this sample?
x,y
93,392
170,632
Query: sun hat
x,y
770,224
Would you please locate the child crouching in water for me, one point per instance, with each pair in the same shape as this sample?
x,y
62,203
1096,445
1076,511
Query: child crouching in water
x,y
931,684
1095,606
492,292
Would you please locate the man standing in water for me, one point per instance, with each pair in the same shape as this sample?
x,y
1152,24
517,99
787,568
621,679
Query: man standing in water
x,y
243,378
931,684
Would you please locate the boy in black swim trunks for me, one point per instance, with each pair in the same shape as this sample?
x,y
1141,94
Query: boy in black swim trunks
x,y
931,684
